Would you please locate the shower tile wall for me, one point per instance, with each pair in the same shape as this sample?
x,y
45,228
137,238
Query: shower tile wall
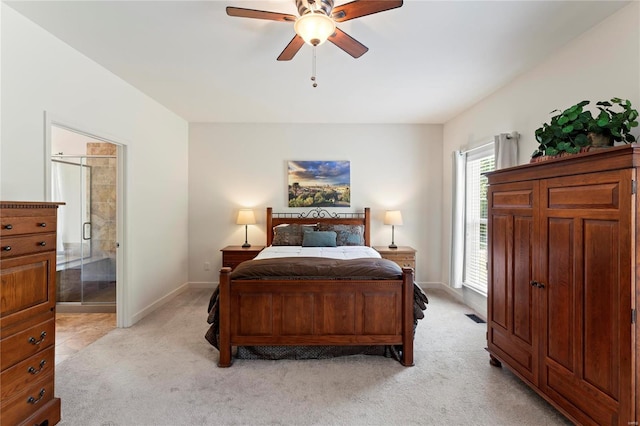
x,y
100,272
103,199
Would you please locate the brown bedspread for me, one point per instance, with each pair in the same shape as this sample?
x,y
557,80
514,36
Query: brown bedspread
x,y
317,268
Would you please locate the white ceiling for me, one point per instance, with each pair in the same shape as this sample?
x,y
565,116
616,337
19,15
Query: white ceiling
x,y
427,61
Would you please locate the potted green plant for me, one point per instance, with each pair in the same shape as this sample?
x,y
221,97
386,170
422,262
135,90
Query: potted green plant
x,y
566,132
613,123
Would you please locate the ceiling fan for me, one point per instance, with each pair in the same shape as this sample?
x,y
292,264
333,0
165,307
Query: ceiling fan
x,y
317,22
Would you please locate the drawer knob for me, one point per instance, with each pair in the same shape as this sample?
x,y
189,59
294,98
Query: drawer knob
x,y
6,248
42,225
8,226
33,400
33,340
42,243
33,371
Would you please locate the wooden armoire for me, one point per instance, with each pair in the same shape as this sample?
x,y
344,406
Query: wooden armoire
x,y
563,254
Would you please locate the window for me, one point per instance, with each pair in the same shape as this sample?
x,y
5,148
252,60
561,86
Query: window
x,y
475,218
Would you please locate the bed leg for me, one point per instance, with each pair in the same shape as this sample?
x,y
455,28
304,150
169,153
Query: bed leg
x,y
407,317
224,303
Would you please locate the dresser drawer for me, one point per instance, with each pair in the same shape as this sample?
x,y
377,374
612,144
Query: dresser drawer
x,y
16,246
232,256
17,378
400,257
232,261
47,415
27,343
26,225
27,402
27,286
406,263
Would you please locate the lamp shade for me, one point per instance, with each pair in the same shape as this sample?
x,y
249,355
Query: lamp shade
x,y
393,217
246,217
314,28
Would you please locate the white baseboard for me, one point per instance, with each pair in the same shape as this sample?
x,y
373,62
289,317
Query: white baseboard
x,y
157,304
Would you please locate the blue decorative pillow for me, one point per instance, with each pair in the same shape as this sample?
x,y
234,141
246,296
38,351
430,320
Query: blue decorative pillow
x,y
319,239
347,235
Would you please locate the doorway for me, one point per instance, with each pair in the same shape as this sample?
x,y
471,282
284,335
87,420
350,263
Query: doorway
x,y
84,175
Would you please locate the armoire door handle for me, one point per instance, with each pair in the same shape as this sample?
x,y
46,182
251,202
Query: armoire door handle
x,y
537,284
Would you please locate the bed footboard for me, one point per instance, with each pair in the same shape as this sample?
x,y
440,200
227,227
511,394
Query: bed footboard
x,y
315,312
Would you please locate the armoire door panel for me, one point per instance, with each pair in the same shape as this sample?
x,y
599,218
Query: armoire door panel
x,y
602,196
522,355
515,198
500,271
559,292
575,397
522,288
601,314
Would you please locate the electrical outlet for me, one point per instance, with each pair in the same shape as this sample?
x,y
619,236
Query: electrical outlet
x,y
207,266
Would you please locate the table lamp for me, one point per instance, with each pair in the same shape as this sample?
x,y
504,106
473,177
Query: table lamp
x,y
246,217
393,218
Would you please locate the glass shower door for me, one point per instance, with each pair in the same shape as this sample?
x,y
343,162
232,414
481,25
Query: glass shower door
x,y
72,185
86,261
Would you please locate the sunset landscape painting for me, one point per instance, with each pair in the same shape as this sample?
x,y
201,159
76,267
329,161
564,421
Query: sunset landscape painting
x,y
319,183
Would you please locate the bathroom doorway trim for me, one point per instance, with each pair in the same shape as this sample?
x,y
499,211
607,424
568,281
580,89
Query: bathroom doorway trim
x,y
50,120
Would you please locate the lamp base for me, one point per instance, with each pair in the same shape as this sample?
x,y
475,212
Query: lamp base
x,y
246,245
393,246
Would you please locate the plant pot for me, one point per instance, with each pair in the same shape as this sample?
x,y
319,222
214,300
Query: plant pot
x,y
599,140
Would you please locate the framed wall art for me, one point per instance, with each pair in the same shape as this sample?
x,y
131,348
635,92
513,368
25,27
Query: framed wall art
x,y
319,183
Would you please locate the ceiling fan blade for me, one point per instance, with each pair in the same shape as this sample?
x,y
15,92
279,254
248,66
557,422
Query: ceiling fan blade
x,y
347,43
358,8
292,48
259,14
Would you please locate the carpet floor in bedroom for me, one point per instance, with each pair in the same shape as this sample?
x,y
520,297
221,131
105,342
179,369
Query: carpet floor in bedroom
x,y
162,371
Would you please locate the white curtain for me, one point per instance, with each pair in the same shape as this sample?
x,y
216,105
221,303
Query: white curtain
x,y
457,221
57,195
506,149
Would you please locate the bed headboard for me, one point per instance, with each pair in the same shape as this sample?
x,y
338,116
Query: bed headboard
x,y
319,215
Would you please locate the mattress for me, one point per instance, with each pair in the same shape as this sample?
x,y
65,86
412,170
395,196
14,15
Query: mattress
x,y
340,252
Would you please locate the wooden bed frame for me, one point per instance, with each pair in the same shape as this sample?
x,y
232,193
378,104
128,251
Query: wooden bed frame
x,y
316,311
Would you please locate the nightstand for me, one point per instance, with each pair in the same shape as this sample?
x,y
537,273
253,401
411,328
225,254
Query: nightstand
x,y
404,256
232,256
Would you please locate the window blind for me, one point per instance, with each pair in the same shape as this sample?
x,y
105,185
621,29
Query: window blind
x,y
475,253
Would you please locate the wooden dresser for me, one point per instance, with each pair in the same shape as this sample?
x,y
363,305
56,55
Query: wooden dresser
x,y
564,281
27,313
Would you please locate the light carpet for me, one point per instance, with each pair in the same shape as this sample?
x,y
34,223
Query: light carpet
x,y
161,371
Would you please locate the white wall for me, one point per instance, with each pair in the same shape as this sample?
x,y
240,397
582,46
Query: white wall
x,y
602,63
245,165
41,73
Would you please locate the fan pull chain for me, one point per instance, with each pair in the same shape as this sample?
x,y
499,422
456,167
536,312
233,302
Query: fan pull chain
x,y
313,68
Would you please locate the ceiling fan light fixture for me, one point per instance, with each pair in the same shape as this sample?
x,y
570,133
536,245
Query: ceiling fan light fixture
x,y
314,28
